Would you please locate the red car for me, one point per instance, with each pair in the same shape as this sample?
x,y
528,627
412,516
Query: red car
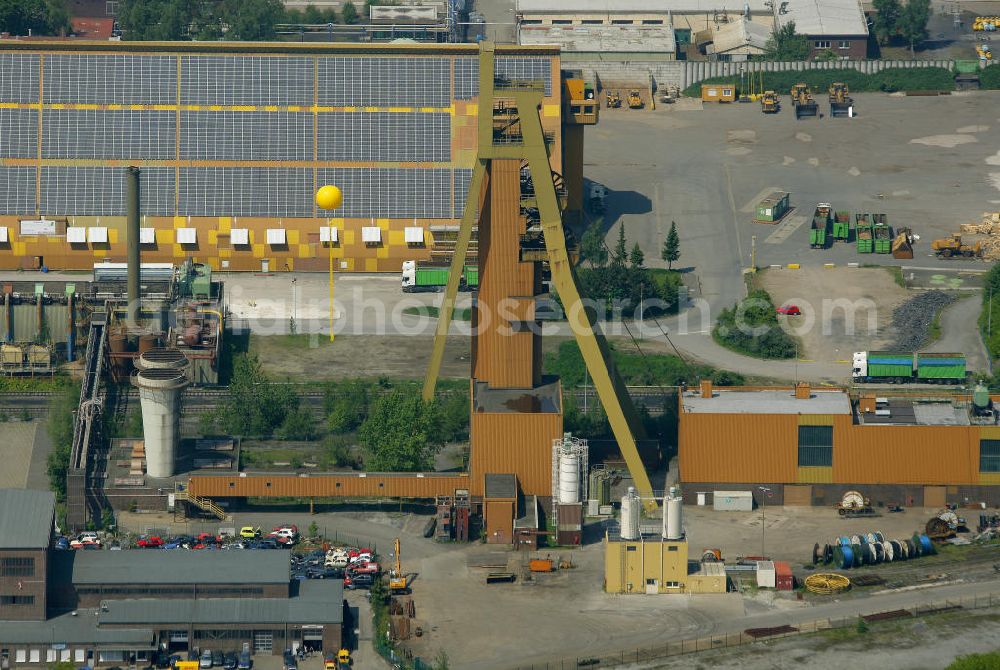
x,y
207,538
789,310
151,542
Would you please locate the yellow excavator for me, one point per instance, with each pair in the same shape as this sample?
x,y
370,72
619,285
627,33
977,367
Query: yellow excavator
x,y
613,100
635,99
397,580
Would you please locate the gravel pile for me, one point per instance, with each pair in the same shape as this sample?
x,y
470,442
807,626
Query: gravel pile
x,y
912,320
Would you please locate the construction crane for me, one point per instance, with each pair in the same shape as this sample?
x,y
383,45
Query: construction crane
x,y
397,580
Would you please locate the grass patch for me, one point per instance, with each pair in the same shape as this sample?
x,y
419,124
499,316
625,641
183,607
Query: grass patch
x,y
34,384
459,314
888,80
990,77
989,325
290,342
751,328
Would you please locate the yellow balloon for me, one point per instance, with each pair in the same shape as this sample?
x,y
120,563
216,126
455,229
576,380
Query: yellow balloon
x,y
329,197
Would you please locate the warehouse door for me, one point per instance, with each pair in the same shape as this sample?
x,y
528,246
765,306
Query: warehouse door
x,y
798,495
934,496
263,641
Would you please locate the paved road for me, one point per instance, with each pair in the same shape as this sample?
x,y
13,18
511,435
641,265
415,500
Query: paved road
x,y
959,332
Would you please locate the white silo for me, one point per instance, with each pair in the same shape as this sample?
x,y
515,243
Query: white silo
x,y
630,515
569,477
672,528
159,396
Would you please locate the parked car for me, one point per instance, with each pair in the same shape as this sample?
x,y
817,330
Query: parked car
x,y
365,568
249,532
206,659
230,660
150,542
244,662
789,310
359,581
288,661
323,573
61,543
207,538
218,658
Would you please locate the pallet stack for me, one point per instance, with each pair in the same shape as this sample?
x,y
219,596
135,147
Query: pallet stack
x,y
990,227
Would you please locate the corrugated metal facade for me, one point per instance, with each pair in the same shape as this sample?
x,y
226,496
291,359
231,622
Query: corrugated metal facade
x,y
738,447
509,442
328,486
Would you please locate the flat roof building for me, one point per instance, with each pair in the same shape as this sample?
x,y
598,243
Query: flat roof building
x,y
121,607
809,446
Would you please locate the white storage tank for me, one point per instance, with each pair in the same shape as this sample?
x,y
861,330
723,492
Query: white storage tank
x,y
672,529
630,515
569,478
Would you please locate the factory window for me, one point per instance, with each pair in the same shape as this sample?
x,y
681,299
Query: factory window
x,y
17,600
622,22
822,44
671,548
592,22
989,455
562,22
652,22
630,548
232,485
531,22
815,446
17,567
844,44
673,585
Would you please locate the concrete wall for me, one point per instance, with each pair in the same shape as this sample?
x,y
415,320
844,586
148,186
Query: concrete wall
x,y
685,73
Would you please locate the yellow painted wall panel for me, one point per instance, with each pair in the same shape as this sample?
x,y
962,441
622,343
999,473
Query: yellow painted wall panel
x,y
225,253
293,236
113,235
989,432
179,251
381,252
180,222
164,236
987,478
815,419
815,475
305,251
397,237
371,265
225,224
550,110
19,248
258,250
213,237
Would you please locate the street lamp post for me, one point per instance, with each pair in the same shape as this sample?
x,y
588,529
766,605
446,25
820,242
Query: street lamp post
x,y
763,491
330,198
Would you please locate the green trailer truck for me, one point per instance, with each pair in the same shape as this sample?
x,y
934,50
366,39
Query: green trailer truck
x,y
900,367
419,278
863,233
881,234
821,221
842,226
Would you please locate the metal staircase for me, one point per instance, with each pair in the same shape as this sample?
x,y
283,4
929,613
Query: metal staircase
x,y
181,494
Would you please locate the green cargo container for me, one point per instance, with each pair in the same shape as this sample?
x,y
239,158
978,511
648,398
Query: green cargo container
x,y
773,207
883,238
472,276
431,276
821,221
890,364
863,233
941,366
842,226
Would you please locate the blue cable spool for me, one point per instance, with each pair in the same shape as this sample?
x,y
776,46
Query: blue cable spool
x,y
926,547
846,557
856,551
843,541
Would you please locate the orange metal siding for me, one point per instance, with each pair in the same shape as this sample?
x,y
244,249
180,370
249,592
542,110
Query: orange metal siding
x,y
738,447
906,454
328,486
520,443
499,522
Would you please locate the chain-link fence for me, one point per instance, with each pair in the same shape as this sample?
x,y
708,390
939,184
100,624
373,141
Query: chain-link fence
x,y
736,639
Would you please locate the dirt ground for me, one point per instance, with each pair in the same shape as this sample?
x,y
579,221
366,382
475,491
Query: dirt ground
x,y
843,309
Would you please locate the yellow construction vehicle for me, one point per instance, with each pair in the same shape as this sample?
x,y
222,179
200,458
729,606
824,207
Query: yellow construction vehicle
x,y
802,101
953,246
769,102
840,99
984,52
613,100
635,99
397,580
343,659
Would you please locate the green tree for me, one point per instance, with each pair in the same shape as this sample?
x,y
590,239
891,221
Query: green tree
x,y
885,24
401,434
256,406
349,12
454,414
298,424
335,451
160,20
636,257
671,247
346,404
62,407
592,246
39,17
913,22
787,45
312,15
251,20
619,255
